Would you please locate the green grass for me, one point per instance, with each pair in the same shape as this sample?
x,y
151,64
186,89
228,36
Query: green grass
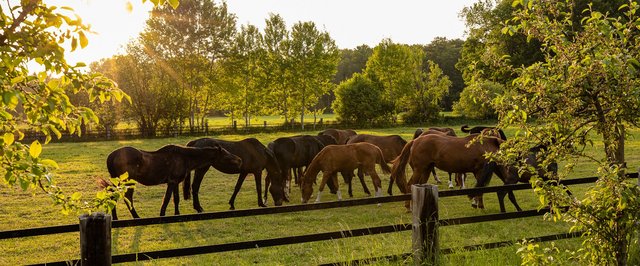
x,y
81,163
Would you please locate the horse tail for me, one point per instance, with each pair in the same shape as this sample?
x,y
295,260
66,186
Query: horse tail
x,y
186,186
465,128
398,169
502,135
380,160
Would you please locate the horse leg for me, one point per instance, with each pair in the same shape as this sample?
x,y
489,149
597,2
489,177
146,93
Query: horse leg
x,y
198,175
129,202
258,177
435,176
501,195
364,184
512,198
165,200
241,178
450,182
325,178
267,182
176,199
377,184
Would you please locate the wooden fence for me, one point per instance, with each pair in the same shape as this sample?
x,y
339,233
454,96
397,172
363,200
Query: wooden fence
x,y
425,226
135,133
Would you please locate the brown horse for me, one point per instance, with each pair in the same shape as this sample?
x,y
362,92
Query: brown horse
x,y
460,177
255,157
169,164
340,158
480,129
340,135
451,154
391,146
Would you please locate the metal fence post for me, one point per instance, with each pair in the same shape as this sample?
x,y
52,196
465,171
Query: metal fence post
x,y
425,224
95,239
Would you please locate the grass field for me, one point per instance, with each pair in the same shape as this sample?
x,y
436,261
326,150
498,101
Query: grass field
x,y
81,163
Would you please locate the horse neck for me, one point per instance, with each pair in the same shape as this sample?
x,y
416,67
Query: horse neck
x,y
312,170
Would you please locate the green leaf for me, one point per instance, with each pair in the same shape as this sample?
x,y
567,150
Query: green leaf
x,y
50,163
83,39
124,176
76,196
74,44
8,138
35,149
17,79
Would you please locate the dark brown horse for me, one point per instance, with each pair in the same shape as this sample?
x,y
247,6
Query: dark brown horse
x,y
480,129
169,164
451,154
343,158
294,153
341,135
255,157
446,130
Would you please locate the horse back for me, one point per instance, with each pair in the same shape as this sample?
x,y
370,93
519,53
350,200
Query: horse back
x,y
451,153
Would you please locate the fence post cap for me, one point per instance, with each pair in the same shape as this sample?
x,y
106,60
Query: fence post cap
x,y
95,216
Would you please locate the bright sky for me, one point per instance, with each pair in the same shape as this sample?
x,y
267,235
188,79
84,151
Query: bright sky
x,y
349,22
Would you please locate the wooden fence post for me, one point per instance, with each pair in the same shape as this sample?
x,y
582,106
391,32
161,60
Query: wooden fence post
x,y
425,224
265,124
95,239
235,125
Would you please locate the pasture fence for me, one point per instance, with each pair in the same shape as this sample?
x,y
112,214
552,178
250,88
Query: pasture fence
x,y
95,230
90,134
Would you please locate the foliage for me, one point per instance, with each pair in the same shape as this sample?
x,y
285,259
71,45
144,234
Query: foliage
x,y
360,101
352,61
475,100
446,53
430,90
587,83
37,96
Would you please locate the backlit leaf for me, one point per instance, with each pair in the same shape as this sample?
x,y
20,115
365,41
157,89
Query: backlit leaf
x,y
8,138
83,39
35,149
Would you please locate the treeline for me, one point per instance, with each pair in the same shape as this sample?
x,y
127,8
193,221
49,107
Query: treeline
x,y
195,61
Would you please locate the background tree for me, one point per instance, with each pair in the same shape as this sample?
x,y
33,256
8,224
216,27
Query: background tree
x,y
430,90
277,66
186,43
360,101
588,83
314,57
475,100
445,53
394,66
246,92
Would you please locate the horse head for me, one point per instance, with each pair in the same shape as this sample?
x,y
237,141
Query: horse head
x,y
224,157
306,186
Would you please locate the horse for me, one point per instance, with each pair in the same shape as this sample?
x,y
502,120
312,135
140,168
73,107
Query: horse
x,y
169,164
340,135
340,158
294,153
391,146
255,157
480,129
451,154
460,177
446,130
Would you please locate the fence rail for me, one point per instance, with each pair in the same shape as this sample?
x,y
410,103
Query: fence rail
x,y
311,237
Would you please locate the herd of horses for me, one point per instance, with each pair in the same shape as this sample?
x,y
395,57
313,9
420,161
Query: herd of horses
x,y
299,160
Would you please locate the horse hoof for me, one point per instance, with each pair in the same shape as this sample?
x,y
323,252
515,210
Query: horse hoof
x,y
474,206
379,204
232,208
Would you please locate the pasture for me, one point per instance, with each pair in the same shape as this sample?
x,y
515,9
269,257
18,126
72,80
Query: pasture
x,y
81,163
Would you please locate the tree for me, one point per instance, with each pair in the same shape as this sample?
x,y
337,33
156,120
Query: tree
x,y
187,43
445,53
352,61
277,66
314,57
394,66
475,100
588,83
360,101
33,31
430,90
245,73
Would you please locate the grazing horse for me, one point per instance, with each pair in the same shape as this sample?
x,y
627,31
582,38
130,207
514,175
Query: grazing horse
x,y
340,158
255,157
391,146
480,129
340,135
294,153
169,164
460,177
451,154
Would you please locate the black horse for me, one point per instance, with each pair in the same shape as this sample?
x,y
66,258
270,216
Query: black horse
x,y
169,164
255,157
479,129
294,153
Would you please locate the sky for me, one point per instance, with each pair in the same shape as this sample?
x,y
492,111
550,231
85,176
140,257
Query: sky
x,y
349,22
